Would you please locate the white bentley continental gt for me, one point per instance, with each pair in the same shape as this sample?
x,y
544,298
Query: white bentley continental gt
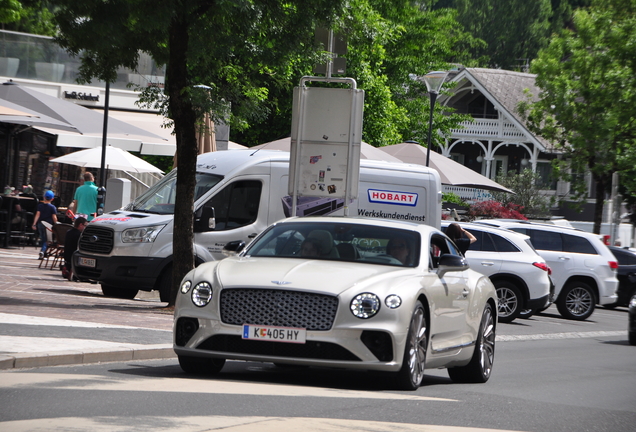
x,y
340,292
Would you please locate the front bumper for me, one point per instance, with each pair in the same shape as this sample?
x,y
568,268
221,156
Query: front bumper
x,y
344,348
123,271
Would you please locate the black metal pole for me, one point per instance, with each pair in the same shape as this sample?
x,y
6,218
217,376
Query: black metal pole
x,y
433,96
101,193
102,173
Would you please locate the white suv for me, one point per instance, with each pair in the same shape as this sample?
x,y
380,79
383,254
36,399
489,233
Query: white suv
x,y
583,268
518,272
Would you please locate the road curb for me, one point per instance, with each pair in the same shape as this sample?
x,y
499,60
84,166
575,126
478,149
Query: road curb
x,y
60,358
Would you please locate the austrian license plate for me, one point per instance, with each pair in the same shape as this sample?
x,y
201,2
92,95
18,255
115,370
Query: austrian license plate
x,y
274,334
86,262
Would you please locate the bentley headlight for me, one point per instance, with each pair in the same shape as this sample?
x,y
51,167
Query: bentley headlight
x,y
393,301
142,234
185,286
365,305
202,294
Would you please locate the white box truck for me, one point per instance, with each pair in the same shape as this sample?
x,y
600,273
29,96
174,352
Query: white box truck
x,y
238,194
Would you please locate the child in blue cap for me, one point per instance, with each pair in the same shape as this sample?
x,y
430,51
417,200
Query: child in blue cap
x,y
46,212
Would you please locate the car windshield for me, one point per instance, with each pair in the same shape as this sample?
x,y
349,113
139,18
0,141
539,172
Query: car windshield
x,y
160,198
338,241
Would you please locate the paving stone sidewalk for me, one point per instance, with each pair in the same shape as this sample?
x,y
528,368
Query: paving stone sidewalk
x,y
46,320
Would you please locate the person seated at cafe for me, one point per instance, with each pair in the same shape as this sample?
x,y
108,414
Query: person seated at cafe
x,y
70,245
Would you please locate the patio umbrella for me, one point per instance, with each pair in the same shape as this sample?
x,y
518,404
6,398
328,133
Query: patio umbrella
x,y
80,119
116,159
450,172
367,151
206,138
11,113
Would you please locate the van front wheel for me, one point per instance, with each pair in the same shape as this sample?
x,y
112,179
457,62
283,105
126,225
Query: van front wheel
x,y
117,292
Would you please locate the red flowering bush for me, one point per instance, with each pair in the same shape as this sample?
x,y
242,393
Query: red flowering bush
x,y
496,210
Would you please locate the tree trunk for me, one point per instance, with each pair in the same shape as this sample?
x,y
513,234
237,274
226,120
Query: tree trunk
x,y
599,183
184,118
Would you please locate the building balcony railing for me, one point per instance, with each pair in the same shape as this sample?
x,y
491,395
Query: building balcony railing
x,y
488,128
37,57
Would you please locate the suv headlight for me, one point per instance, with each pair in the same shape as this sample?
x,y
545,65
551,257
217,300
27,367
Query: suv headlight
x,y
141,234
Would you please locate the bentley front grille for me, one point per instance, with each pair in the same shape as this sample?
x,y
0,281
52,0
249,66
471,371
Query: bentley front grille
x,y
278,308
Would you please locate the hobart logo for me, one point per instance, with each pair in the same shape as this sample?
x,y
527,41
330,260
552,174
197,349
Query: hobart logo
x,y
392,197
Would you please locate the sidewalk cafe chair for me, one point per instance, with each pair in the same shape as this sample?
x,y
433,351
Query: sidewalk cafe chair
x,y
56,236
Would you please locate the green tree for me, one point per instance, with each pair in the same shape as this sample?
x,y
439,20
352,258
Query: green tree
x,y
513,30
528,194
387,42
587,102
217,53
27,16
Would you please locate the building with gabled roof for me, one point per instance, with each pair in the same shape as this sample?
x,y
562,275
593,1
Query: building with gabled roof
x,y
498,139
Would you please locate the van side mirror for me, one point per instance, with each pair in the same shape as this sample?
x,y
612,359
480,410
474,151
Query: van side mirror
x,y
451,263
204,219
233,248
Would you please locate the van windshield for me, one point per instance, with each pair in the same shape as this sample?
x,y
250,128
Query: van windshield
x,y
160,198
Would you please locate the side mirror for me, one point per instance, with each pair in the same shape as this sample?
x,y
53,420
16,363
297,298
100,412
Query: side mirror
x,y
451,263
233,248
204,219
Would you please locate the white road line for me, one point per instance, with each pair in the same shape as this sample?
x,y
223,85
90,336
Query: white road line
x,y
192,385
225,424
568,335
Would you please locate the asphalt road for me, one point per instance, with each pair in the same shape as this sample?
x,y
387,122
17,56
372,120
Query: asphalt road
x,y
550,374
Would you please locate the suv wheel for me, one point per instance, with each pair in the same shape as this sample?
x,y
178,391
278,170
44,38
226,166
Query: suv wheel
x,y
510,301
576,301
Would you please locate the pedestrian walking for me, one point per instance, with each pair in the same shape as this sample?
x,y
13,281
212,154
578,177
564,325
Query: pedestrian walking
x,y
85,199
46,212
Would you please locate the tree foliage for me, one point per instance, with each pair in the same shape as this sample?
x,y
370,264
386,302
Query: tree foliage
x,y
587,102
27,16
513,31
528,194
218,54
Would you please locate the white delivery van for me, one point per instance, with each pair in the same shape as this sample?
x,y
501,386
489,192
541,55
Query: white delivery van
x,y
238,194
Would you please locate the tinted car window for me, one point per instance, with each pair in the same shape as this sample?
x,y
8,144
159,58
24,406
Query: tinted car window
x,y
502,244
546,240
236,205
577,244
483,242
624,258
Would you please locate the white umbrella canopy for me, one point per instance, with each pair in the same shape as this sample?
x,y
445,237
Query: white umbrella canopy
x,y
450,172
367,151
116,159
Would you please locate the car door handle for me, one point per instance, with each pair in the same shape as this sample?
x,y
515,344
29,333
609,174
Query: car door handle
x,y
465,292
487,263
252,235
564,258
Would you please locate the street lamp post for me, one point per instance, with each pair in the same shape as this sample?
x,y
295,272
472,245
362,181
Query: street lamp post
x,y
433,81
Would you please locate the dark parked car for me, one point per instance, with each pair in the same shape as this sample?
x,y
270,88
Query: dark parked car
x,y
631,328
626,275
